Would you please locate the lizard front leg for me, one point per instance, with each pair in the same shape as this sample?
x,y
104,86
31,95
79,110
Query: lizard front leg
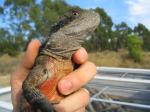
x,y
39,102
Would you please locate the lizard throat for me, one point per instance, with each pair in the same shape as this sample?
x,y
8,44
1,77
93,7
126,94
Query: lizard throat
x,y
62,54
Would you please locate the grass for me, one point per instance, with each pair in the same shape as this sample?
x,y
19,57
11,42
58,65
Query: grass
x,y
4,80
119,59
7,66
107,58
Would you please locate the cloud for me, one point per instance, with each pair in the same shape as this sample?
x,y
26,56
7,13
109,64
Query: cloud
x,y
139,11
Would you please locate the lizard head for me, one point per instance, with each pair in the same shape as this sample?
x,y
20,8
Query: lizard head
x,y
77,22
68,34
83,23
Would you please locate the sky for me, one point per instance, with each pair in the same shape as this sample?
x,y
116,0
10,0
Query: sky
x,y
130,11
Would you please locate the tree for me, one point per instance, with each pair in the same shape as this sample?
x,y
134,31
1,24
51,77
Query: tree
x,y
105,29
135,47
29,19
144,33
121,32
7,43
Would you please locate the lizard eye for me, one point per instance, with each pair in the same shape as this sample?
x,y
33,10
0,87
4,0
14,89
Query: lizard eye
x,y
76,12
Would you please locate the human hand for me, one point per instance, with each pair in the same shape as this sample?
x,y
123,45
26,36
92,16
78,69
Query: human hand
x,y
76,79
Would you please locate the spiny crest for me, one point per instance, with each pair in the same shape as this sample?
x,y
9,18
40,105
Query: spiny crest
x,y
66,19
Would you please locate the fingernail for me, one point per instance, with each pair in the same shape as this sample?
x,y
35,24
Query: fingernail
x,y
66,86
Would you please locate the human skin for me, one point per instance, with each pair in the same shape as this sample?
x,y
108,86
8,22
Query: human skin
x,y
71,85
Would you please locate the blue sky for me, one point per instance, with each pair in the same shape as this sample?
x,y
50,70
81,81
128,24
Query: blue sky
x,y
129,11
117,9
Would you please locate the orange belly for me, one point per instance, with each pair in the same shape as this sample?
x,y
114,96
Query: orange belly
x,y
59,70
49,89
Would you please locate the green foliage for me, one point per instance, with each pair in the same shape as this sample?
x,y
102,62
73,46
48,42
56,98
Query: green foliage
x,y
1,10
121,32
8,47
135,47
9,44
144,33
30,19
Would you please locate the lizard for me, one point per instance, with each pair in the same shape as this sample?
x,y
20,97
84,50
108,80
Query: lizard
x,y
54,61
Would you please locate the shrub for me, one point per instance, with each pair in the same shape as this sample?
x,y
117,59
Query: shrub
x,y
135,47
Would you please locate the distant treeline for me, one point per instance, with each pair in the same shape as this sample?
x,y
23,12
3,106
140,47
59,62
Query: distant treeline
x,y
28,19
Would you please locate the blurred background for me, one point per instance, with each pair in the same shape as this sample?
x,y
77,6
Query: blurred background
x,y
121,40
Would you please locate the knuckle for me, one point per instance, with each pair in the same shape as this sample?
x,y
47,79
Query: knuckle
x,y
92,66
86,95
60,108
86,92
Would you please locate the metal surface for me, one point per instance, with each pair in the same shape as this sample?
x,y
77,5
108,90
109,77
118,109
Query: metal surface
x,y
5,100
6,105
121,103
123,79
124,70
5,90
129,87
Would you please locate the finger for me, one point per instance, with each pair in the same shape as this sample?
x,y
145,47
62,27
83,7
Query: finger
x,y
81,110
28,59
77,78
22,70
16,84
31,53
80,56
73,102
